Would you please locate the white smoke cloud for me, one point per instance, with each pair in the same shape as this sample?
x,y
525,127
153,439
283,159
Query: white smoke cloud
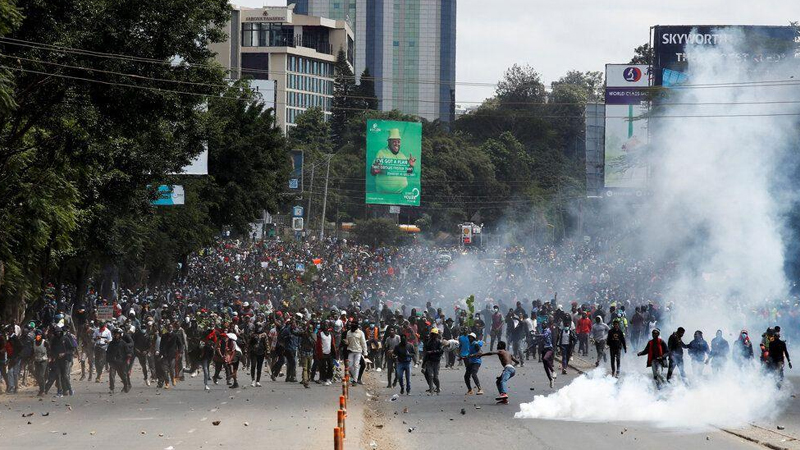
x,y
718,194
729,401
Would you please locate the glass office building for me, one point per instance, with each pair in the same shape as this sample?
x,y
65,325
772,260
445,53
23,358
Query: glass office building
x,y
409,47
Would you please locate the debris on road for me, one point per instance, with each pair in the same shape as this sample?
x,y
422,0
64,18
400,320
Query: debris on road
x,y
216,422
27,414
247,424
45,414
463,411
781,427
412,429
394,398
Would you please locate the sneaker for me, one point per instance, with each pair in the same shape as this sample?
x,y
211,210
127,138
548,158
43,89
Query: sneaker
x,y
253,384
327,383
469,392
552,381
563,371
234,386
402,391
166,385
503,396
480,392
258,384
147,382
207,388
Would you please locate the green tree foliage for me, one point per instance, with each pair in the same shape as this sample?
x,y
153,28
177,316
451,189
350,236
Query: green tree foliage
x,y
643,54
345,104
378,232
366,91
247,158
10,18
92,132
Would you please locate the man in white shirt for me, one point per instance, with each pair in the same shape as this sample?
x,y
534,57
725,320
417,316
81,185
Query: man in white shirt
x,y
356,346
101,337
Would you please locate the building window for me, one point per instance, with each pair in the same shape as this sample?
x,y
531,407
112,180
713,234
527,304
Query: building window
x,y
336,5
249,35
396,43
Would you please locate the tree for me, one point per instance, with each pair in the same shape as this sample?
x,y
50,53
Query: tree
x,y
311,133
344,104
76,161
247,158
377,232
10,18
643,54
366,91
520,85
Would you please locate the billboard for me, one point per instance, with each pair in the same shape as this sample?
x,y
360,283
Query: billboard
x,y
296,177
169,196
759,44
625,132
198,165
394,162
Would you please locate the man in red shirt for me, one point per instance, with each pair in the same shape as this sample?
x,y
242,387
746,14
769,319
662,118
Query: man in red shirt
x,y
583,328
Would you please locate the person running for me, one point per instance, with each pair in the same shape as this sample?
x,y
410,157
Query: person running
x,y
743,349
566,341
656,351
698,350
599,334
102,337
40,348
616,344
404,354
675,345
507,360
207,345
545,343
473,364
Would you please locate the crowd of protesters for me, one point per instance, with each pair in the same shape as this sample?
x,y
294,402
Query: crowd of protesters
x,y
320,308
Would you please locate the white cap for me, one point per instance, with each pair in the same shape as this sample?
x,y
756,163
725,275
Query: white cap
x,y
472,335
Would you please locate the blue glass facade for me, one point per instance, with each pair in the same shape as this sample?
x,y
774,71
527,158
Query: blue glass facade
x,y
447,62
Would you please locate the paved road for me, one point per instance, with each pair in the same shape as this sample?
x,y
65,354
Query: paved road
x,y
279,413
437,421
292,417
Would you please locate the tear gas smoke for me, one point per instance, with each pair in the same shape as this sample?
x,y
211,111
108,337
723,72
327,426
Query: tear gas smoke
x,y
719,189
597,397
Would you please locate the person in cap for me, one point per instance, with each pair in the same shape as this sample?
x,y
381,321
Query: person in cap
x,y
473,362
431,360
116,356
391,167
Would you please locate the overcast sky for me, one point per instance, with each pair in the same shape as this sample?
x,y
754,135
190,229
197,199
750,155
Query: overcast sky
x,y
555,36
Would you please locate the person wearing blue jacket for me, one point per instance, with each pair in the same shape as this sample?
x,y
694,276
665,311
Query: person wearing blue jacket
x,y
473,362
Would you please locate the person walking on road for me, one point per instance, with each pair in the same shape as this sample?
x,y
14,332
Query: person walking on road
x,y
599,334
356,347
117,358
616,345
432,360
404,354
473,362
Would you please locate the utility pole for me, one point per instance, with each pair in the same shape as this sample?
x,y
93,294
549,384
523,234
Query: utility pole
x,y
325,201
310,196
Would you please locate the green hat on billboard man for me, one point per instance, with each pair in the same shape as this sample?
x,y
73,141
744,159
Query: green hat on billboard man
x,y
391,168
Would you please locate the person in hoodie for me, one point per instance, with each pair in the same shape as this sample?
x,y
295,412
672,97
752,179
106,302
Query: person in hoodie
x,y
40,361
616,345
720,350
743,349
675,345
698,350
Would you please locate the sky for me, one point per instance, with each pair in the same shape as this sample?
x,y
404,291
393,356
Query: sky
x,y
555,36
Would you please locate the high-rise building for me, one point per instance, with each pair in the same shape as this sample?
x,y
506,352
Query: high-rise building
x,y
409,47
290,54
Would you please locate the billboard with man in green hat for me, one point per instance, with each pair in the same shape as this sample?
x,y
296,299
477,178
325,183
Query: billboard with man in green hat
x,y
393,162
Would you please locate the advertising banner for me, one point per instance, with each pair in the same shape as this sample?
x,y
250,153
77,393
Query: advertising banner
x,y
625,131
169,196
756,44
394,162
296,177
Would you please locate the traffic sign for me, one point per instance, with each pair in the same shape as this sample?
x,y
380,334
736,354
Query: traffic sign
x,y
297,211
297,223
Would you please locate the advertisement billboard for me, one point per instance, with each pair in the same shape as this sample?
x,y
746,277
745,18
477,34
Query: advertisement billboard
x,y
169,196
394,162
758,44
296,177
625,131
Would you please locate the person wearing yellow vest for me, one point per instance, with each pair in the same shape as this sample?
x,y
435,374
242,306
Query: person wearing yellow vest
x,y
391,167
